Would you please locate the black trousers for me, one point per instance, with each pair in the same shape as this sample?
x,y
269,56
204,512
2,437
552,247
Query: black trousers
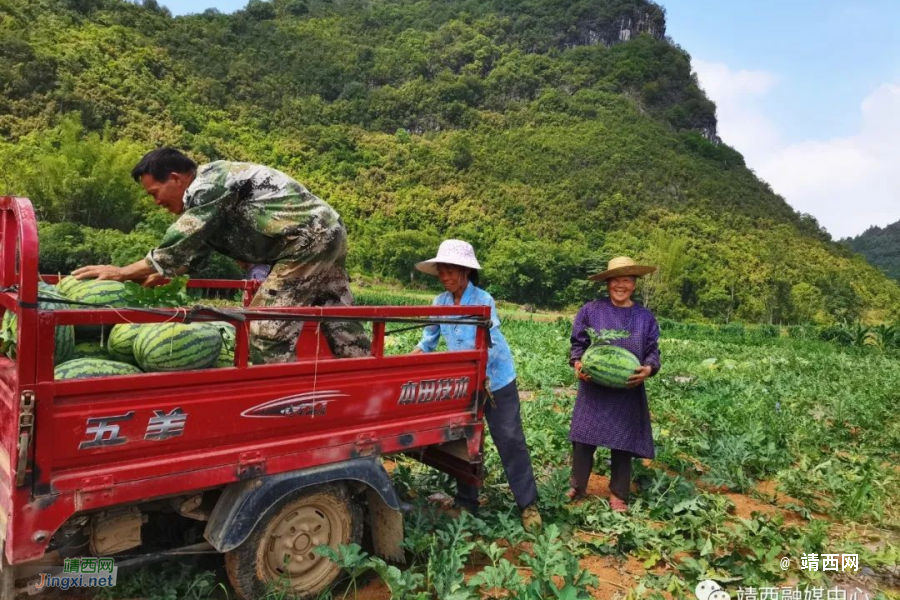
x,y
505,423
620,471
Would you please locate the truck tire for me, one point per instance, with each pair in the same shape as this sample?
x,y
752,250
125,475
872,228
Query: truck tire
x,y
279,551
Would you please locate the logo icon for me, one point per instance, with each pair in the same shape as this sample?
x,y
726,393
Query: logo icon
x,y
710,590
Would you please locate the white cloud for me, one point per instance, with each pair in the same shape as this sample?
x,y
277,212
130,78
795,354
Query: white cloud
x,y
737,94
721,82
848,183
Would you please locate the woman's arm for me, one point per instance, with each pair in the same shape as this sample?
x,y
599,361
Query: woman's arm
x,y
650,363
430,336
651,347
495,325
580,339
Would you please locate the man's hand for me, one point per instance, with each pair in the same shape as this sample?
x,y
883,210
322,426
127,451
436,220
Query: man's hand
x,y
417,350
581,374
136,271
640,374
153,280
100,272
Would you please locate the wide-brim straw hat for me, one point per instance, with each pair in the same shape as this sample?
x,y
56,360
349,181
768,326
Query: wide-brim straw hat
x,y
451,252
622,266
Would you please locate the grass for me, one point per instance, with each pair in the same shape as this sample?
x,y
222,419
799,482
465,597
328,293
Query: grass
x,y
738,418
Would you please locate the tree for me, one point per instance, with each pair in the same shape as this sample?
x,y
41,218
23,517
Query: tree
x,y
670,254
397,253
533,272
75,176
808,303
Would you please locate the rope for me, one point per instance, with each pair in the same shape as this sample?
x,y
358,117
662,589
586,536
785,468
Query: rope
x,y
316,370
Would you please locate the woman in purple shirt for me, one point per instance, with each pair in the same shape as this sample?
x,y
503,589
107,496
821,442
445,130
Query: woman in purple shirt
x,y
618,419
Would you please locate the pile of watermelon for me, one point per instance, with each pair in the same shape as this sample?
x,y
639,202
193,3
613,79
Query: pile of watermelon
x,y
124,349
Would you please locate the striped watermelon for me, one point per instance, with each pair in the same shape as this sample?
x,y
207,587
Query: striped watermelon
x,y
609,365
83,368
120,344
90,350
177,346
64,336
226,358
48,287
99,292
227,330
229,336
66,284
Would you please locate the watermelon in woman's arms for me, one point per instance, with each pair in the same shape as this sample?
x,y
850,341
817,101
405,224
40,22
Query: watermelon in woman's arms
x,y
609,365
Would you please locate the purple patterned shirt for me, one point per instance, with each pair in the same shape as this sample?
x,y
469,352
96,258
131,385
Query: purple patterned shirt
x,y
610,417
258,272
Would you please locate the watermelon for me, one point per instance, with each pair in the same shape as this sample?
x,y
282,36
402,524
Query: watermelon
x,y
90,350
177,346
609,365
83,368
226,358
227,330
66,284
99,292
48,287
120,344
229,335
64,336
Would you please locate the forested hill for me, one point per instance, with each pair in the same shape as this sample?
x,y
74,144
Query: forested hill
x,y
881,247
553,134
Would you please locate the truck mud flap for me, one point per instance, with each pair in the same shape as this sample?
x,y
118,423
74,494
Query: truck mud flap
x,y
243,504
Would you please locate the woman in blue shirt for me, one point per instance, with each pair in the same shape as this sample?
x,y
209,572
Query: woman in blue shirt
x,y
457,268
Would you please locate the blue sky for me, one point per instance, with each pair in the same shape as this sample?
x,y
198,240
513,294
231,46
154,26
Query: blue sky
x,y
827,54
807,90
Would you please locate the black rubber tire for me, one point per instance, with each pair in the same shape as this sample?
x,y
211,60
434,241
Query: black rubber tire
x,y
339,517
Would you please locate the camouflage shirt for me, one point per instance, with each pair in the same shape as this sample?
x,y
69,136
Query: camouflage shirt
x,y
247,212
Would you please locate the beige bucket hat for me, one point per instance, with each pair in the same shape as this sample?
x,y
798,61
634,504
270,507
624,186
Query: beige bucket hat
x,y
451,252
622,266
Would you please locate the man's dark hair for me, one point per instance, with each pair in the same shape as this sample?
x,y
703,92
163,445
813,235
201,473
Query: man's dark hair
x,y
160,163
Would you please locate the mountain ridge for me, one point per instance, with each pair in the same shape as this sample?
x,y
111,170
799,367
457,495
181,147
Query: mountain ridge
x,y
880,246
536,129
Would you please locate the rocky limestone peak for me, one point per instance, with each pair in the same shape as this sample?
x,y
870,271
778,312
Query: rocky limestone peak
x,y
640,17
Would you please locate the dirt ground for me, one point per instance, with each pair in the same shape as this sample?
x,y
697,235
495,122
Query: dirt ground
x,y
616,575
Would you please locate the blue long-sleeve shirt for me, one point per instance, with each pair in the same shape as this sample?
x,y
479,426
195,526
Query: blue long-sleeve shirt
x,y
500,368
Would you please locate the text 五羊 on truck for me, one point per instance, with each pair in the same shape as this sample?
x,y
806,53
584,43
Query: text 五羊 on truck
x,y
260,462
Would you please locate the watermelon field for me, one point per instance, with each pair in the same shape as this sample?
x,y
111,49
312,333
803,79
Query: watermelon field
x,y
769,446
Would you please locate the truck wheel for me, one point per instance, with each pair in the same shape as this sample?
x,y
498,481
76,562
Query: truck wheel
x,y
280,550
